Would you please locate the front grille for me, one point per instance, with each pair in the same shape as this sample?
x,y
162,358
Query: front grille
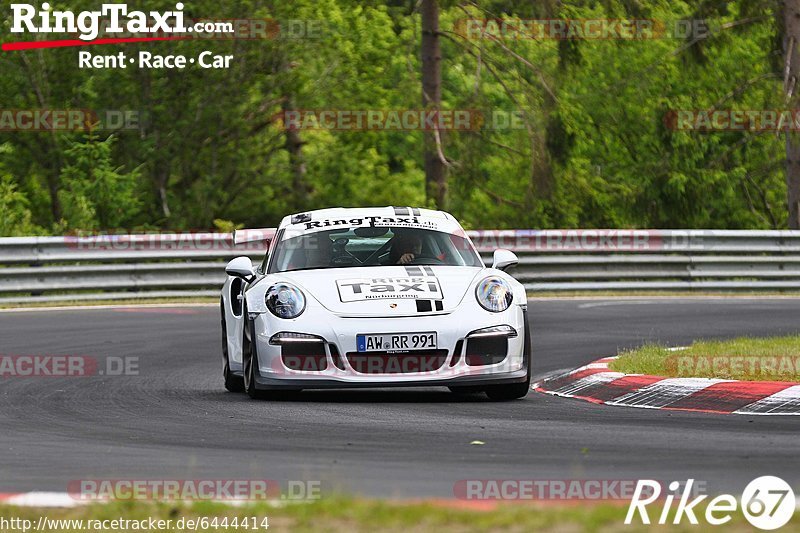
x,y
457,352
397,363
304,356
337,360
483,351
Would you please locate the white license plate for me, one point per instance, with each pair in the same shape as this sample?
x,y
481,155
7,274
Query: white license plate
x,y
396,342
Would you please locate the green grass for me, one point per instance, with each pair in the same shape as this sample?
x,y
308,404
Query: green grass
x,y
348,514
663,294
743,358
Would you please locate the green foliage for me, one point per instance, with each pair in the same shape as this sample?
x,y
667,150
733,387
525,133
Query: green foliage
x,y
226,226
16,216
591,147
94,193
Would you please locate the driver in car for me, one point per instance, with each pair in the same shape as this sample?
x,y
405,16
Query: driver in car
x,y
405,248
314,251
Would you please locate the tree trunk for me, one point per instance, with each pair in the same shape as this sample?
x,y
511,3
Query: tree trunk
x,y
53,188
431,56
793,179
791,49
294,146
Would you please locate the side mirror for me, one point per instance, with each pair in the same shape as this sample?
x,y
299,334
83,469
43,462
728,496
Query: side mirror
x,y
504,259
240,267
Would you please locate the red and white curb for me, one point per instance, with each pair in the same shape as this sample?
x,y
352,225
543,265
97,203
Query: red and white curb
x,y
597,384
64,499
40,499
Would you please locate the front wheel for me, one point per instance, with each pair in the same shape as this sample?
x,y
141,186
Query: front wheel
x,y
233,383
249,362
503,393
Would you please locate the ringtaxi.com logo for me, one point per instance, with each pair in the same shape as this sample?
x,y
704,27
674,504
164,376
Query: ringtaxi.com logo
x,y
767,503
87,23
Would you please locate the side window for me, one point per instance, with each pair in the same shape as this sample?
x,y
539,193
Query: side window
x,y
236,296
263,268
265,263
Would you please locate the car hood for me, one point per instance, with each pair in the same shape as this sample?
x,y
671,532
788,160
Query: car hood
x,y
386,291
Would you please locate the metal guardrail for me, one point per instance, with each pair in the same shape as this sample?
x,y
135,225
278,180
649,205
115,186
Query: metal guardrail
x,y
192,264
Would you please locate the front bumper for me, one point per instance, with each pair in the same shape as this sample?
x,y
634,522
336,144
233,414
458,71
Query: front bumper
x,y
339,336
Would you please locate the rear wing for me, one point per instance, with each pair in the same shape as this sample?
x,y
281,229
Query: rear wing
x,y
242,236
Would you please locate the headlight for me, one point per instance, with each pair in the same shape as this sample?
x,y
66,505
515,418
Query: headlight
x,y
288,337
494,294
493,331
285,300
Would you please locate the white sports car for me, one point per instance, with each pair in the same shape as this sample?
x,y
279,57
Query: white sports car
x,y
374,297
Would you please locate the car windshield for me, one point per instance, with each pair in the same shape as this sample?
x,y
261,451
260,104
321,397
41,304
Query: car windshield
x,y
372,246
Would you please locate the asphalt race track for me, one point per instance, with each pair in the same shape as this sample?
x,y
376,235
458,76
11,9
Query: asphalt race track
x,y
175,421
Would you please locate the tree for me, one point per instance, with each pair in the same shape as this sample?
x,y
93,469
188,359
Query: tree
x,y
791,51
431,55
16,219
590,148
95,193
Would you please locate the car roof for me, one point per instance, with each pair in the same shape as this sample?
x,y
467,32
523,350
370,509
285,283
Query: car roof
x,y
330,218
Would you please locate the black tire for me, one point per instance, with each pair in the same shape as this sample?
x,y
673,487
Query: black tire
x,y
504,393
232,383
249,361
514,391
